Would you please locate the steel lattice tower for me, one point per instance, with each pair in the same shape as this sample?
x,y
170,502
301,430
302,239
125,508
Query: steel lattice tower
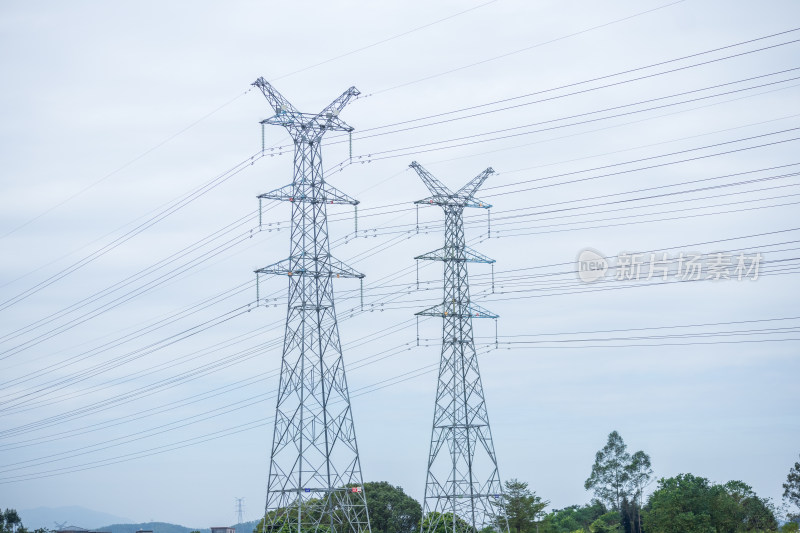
x,y
463,492
315,473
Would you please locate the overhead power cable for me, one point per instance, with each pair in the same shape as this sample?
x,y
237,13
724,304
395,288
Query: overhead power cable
x,y
361,135
525,49
169,209
124,166
604,77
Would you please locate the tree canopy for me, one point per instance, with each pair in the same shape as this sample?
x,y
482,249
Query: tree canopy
x,y
692,504
390,509
523,508
573,518
618,480
10,521
435,522
791,491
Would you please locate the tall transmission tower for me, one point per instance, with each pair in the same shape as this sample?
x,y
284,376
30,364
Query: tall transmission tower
x,y
463,492
315,472
239,510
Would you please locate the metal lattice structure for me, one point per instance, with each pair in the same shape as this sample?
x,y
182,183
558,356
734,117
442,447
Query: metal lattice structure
x,y
315,473
463,492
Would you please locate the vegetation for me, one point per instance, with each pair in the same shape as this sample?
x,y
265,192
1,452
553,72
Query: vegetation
x,y
573,518
523,508
690,504
618,480
390,509
445,523
10,522
682,504
791,492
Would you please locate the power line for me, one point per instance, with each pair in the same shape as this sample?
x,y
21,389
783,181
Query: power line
x,y
606,76
525,49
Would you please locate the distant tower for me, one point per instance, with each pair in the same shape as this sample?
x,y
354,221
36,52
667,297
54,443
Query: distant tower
x,y
315,482
239,511
463,493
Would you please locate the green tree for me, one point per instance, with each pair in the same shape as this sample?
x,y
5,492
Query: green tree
x,y
606,523
573,518
444,523
791,491
618,479
609,477
639,472
692,504
284,520
10,521
523,508
744,510
390,509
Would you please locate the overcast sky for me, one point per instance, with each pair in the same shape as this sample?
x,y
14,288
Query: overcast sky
x,y
138,375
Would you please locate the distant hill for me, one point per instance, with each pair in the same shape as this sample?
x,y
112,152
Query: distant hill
x,y
49,517
246,527
156,527
163,527
46,517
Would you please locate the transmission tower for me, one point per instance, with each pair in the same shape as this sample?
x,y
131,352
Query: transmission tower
x,y
239,510
314,474
463,492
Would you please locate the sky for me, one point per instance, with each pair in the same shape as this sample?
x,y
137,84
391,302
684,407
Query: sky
x,y
137,373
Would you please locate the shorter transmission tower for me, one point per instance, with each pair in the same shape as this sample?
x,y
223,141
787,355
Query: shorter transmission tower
x,y
463,493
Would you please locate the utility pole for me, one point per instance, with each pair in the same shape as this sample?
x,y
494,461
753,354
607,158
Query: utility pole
x,y
463,492
315,481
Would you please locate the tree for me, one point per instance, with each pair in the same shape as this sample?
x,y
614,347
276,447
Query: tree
x,y
791,491
691,504
445,523
639,472
10,521
283,520
610,474
680,505
390,509
573,518
745,511
606,523
522,507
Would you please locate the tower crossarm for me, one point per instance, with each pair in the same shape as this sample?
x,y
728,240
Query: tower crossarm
x,y
307,127
326,194
321,267
279,104
465,254
442,196
329,119
467,192
454,309
439,191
